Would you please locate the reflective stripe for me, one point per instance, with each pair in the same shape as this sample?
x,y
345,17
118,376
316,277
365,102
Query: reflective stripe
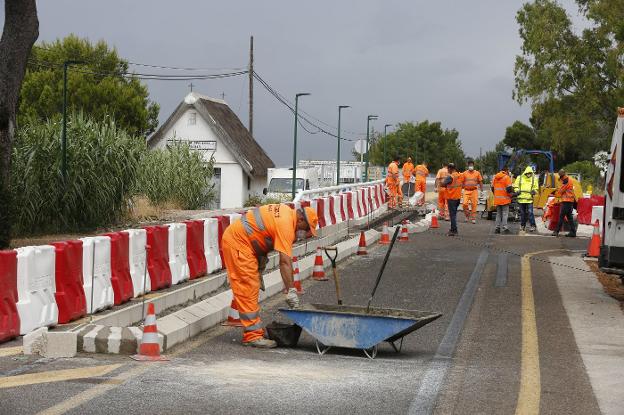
x,y
256,326
246,225
249,316
258,218
501,197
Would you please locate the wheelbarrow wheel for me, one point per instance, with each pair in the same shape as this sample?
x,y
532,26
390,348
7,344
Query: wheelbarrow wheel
x,y
321,348
371,353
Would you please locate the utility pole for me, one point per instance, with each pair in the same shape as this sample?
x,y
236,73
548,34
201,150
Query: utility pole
x,y
294,165
340,108
368,120
251,73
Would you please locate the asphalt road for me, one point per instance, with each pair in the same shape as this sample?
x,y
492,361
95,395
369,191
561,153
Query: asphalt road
x,y
470,361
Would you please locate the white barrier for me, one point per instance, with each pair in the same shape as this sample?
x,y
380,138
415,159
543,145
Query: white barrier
x,y
337,200
331,190
597,215
137,256
362,203
36,286
234,216
322,210
211,244
355,195
178,262
96,270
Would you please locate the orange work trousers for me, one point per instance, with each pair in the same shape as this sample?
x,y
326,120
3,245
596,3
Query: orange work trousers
x,y
393,188
242,270
442,204
470,202
421,186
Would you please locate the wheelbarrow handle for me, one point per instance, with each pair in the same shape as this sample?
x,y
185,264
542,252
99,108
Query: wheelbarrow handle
x,y
383,266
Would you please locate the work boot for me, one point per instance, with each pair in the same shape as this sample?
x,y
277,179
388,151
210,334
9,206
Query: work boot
x,y
467,219
473,221
497,230
532,229
506,231
261,343
451,233
571,235
555,234
523,228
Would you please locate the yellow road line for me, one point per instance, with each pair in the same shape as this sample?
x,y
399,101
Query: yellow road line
x,y
529,394
11,351
56,376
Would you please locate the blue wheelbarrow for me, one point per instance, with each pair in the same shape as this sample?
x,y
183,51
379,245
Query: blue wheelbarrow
x,y
358,327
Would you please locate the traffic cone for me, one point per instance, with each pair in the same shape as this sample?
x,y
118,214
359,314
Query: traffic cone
x,y
362,246
404,236
233,316
434,222
385,235
296,276
318,272
149,350
593,250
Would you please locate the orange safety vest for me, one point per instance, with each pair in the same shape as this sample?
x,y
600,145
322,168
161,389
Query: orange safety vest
x,y
393,174
421,173
566,192
454,189
500,183
472,179
408,168
442,174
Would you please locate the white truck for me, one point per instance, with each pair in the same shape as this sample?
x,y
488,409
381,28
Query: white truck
x,y
612,249
279,182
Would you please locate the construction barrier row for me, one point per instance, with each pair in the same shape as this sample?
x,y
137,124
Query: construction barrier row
x,y
54,284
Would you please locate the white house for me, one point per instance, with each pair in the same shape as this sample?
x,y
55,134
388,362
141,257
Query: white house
x,y
209,125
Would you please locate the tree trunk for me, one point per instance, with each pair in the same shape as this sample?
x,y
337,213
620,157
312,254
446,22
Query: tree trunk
x,y
21,29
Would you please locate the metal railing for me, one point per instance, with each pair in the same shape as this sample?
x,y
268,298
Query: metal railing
x,y
326,191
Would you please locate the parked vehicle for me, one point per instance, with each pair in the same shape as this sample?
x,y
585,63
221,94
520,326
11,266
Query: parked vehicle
x,y
280,180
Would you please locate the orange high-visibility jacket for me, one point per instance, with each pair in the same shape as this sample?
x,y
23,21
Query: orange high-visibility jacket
x,y
266,228
454,189
408,168
472,179
442,174
393,174
499,184
566,192
421,173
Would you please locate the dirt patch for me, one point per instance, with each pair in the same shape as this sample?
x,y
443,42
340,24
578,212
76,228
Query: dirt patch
x,y
612,284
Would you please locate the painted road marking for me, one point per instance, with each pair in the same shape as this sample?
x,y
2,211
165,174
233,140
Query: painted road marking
x,y
501,270
56,376
433,379
11,351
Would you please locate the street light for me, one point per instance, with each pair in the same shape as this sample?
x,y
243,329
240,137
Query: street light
x,y
368,119
340,108
294,167
385,140
64,131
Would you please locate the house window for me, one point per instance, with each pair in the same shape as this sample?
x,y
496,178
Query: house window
x,y
192,120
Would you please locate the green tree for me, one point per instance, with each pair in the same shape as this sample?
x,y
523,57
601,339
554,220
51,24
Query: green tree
x,y
99,86
421,141
574,81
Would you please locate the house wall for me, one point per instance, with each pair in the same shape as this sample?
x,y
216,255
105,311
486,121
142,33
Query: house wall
x,y
233,185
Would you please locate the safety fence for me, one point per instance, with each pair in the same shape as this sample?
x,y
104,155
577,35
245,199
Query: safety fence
x,y
47,285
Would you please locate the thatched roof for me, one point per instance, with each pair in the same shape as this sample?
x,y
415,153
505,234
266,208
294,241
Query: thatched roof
x,y
226,125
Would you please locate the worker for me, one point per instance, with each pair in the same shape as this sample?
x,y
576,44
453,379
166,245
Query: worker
x,y
453,183
502,188
566,193
442,205
246,244
420,173
526,186
408,170
392,182
472,181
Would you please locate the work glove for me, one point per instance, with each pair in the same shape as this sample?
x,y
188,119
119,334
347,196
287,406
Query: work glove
x,y
262,263
292,299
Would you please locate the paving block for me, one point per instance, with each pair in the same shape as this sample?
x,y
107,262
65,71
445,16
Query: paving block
x,y
34,342
173,329
61,344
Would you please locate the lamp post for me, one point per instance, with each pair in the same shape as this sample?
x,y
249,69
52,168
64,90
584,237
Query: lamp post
x,y
340,108
368,120
66,65
385,140
294,167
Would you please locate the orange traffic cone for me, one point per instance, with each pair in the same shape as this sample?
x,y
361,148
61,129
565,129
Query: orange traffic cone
x,y
149,350
593,250
404,236
362,246
318,272
434,221
233,316
385,236
296,276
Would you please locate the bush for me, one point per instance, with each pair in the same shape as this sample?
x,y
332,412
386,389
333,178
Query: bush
x,y
102,163
176,176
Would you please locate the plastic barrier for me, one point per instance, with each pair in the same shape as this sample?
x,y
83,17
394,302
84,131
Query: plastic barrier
x,y
320,212
597,214
158,256
224,222
351,204
96,273
9,317
177,253
36,305
369,199
344,215
120,267
211,245
377,194
137,255
585,206
234,217
195,248
362,202
69,294
304,203
332,210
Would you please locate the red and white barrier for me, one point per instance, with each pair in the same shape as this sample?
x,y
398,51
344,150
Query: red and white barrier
x,y
137,258
69,294
158,256
337,211
195,255
211,244
96,272
9,317
177,253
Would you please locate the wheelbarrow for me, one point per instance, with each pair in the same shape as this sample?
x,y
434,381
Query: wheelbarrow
x,y
359,327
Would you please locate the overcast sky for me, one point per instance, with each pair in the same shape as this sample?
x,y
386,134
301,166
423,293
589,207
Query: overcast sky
x,y
404,60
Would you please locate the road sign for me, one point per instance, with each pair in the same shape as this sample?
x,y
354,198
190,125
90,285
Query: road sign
x,y
360,146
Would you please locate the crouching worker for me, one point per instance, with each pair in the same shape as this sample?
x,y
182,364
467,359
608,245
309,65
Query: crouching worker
x,y
246,244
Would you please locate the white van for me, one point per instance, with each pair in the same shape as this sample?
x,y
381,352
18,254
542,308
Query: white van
x,y
279,182
612,249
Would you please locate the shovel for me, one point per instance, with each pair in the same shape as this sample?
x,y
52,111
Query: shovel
x,y
333,258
